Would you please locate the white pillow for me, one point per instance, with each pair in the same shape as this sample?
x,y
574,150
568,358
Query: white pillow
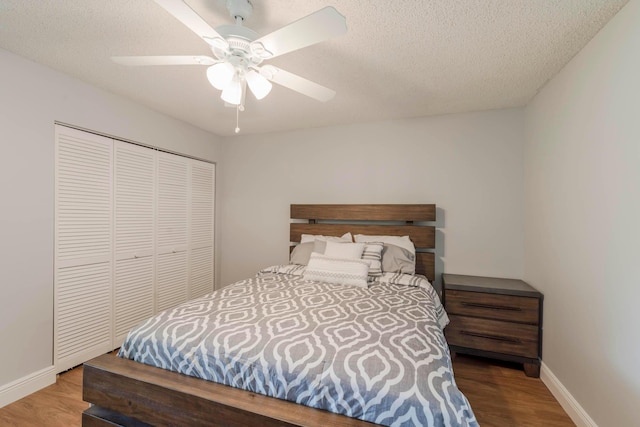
x,y
339,271
319,246
403,242
344,250
311,237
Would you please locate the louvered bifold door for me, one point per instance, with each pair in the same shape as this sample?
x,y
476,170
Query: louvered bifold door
x,y
134,188
171,230
202,180
83,227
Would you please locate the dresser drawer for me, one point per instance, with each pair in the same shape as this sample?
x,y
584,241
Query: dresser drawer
x,y
493,335
493,306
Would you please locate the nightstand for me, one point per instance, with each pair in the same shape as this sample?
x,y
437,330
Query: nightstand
x,y
495,318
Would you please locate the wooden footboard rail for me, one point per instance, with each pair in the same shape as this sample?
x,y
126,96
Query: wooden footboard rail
x,y
126,393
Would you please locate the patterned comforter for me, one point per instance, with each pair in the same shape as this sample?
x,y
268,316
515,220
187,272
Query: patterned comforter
x,y
377,353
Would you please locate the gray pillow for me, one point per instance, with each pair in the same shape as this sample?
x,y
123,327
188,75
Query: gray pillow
x,y
302,252
397,260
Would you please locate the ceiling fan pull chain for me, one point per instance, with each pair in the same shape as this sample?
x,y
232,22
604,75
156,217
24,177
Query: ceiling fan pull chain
x,y
238,119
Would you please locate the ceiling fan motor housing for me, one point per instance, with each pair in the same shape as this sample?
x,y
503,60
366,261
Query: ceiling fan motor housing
x,y
239,39
239,9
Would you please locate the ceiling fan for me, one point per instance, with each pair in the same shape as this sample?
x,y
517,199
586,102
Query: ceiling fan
x,y
239,51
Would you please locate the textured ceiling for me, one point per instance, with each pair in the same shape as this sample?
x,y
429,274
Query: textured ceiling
x,y
399,58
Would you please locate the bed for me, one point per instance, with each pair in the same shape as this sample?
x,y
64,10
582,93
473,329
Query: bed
x,y
285,349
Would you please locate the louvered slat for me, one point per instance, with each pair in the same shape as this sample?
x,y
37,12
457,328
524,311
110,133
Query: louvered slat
x,y
83,312
202,192
83,195
82,279
134,199
171,231
134,178
201,274
133,293
201,209
171,279
172,203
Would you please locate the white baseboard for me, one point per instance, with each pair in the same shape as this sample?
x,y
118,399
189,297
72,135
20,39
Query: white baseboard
x,y
577,414
26,385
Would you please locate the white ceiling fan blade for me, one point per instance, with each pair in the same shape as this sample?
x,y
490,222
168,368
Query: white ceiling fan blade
x,y
311,29
183,13
137,61
297,83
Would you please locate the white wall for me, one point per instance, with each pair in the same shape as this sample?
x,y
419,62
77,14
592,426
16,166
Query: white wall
x,y
582,186
470,165
32,97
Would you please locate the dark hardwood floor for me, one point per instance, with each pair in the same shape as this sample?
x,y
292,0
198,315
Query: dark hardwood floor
x,y
58,405
500,395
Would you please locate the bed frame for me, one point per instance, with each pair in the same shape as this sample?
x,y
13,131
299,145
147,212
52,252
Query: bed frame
x,y
126,393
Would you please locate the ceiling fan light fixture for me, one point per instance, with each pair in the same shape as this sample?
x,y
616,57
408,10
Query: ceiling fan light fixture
x,y
220,75
260,87
233,92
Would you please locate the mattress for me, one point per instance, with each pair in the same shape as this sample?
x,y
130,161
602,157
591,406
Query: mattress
x,y
377,354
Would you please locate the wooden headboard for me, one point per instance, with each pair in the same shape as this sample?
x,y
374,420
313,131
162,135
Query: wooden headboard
x,y
388,220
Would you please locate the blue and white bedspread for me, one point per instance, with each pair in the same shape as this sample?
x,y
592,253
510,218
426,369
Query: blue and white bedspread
x,y
376,354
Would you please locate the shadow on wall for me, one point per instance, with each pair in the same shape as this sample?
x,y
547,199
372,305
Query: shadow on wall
x,y
439,263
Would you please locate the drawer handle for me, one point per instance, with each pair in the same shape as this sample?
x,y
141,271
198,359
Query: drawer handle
x,y
491,306
492,337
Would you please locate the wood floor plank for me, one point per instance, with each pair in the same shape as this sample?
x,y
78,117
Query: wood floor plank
x,y
500,395
60,404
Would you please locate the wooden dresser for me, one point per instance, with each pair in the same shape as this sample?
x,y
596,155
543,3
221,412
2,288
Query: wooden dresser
x,y
496,318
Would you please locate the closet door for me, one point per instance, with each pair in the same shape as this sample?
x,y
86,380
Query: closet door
x,y
201,262
134,215
171,230
83,250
